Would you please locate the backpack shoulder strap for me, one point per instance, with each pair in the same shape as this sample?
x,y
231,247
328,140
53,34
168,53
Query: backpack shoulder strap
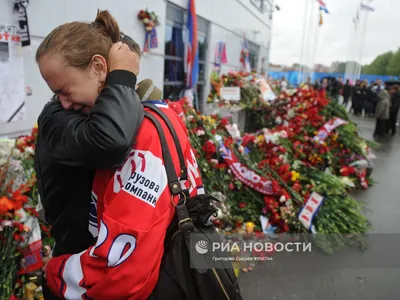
x,y
159,112
173,181
184,221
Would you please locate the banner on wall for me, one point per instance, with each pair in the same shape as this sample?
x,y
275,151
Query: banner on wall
x,y
21,18
12,89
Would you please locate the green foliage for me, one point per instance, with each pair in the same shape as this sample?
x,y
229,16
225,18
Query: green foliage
x,y
385,64
393,67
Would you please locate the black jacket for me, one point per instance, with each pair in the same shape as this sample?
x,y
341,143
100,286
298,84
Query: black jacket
x,y
70,146
395,103
347,91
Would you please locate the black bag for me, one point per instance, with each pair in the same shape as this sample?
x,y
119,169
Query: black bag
x,y
178,277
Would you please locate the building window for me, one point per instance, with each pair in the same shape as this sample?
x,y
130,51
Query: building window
x,y
174,69
253,55
262,5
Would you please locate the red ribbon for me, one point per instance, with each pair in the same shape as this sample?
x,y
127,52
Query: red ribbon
x,y
246,175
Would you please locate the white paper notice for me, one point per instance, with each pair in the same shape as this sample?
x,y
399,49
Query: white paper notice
x,y
230,93
12,88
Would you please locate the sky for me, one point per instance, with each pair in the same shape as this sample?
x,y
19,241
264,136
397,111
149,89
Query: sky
x,y
335,38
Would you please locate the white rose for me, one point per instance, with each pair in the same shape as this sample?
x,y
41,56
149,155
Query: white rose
x,y
29,150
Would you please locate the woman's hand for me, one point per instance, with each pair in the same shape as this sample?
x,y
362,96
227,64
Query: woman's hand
x,y
121,57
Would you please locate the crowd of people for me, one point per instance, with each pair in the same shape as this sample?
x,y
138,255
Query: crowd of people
x,y
376,100
372,99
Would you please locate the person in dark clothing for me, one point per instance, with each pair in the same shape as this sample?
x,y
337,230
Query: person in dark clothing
x,y
370,100
394,108
347,92
72,144
362,93
376,88
334,87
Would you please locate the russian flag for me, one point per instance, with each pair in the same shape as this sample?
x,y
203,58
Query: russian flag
x,y
192,47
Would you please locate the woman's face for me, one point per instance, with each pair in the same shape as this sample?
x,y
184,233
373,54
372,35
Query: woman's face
x,y
77,89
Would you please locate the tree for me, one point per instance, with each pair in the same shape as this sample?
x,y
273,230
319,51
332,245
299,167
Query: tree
x,y
380,65
393,67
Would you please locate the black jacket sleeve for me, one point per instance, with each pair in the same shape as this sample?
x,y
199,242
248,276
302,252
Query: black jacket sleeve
x,y
101,139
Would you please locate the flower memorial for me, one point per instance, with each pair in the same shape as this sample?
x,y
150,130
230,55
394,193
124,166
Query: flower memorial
x,y
291,171
293,174
22,234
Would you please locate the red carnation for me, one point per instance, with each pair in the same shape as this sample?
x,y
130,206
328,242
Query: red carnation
x,y
275,186
297,187
209,148
242,205
224,121
247,139
347,171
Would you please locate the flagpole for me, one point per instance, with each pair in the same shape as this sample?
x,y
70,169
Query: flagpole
x,y
315,48
303,43
362,46
310,46
352,44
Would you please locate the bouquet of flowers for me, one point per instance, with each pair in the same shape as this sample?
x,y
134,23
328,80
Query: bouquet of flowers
x,y
21,231
149,19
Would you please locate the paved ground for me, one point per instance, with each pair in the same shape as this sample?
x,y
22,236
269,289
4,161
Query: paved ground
x,y
383,202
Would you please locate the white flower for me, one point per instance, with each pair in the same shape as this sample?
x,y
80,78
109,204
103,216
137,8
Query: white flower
x,y
15,153
282,199
3,153
214,161
284,158
296,164
278,120
286,123
6,146
284,134
29,150
6,223
347,181
291,113
200,132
